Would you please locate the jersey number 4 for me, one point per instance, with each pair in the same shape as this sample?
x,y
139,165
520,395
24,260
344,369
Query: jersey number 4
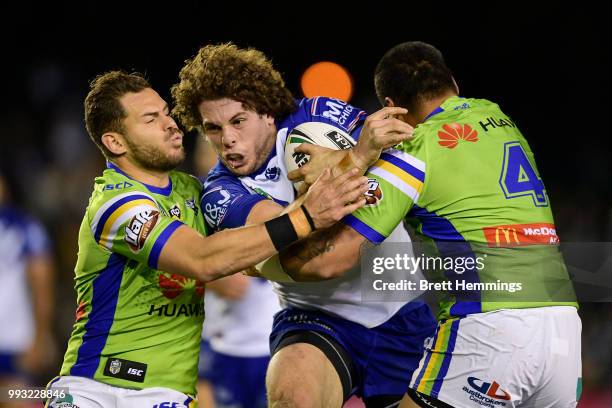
x,y
518,177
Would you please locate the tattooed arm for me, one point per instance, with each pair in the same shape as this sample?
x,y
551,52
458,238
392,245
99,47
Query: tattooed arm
x,y
325,255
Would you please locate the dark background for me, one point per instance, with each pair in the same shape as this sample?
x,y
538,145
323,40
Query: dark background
x,y
548,66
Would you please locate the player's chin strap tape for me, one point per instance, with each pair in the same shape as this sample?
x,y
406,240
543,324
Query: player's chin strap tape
x,y
288,228
334,352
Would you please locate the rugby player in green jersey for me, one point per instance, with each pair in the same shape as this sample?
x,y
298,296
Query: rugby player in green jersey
x,y
468,182
143,256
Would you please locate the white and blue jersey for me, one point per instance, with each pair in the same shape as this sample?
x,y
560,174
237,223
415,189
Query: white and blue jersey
x,y
21,238
228,199
384,339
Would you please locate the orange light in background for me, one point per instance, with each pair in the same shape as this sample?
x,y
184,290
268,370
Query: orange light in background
x,y
327,79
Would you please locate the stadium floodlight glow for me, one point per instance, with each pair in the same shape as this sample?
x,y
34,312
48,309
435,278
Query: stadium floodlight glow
x,y
327,78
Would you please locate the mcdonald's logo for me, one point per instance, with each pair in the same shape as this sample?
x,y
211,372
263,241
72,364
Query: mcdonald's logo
x,y
521,234
508,235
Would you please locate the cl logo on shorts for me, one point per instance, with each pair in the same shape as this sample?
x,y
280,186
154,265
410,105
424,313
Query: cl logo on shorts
x,y
489,389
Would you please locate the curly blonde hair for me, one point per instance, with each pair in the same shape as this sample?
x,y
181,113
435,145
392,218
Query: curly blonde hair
x,y
226,71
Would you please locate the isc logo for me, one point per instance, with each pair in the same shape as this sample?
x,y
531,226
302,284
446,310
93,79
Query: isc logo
x,y
135,371
167,404
118,186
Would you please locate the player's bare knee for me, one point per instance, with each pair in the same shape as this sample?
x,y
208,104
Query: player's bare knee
x,y
294,378
295,397
286,388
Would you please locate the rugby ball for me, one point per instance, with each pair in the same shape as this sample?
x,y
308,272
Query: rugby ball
x,y
319,133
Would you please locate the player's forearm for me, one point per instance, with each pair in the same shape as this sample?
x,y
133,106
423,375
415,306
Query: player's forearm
x,y
324,255
190,254
232,287
310,261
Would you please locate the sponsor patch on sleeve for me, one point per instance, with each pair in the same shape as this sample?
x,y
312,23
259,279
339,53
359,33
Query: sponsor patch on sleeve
x,y
139,228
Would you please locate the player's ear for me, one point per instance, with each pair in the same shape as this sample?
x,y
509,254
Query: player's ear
x,y
114,142
269,120
389,102
456,86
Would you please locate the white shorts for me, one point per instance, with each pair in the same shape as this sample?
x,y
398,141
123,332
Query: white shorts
x,y
86,393
505,358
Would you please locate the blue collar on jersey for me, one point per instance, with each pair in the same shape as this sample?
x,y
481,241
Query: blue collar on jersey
x,y
434,112
165,191
439,109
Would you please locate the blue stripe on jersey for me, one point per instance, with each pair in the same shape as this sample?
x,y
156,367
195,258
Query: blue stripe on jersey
x,y
407,167
103,304
450,243
448,355
110,210
165,191
371,234
435,227
160,242
463,308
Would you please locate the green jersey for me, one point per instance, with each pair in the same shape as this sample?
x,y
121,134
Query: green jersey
x,y
468,179
136,326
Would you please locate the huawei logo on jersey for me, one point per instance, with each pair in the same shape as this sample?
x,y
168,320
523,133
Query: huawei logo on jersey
x,y
174,285
452,133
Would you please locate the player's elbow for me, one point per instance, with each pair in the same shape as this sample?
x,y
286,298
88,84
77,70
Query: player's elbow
x,y
312,271
332,270
203,270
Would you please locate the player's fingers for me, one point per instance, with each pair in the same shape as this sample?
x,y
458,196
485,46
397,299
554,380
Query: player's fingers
x,y
355,193
302,189
310,179
387,112
296,175
344,177
347,209
354,183
310,149
391,139
395,125
324,177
